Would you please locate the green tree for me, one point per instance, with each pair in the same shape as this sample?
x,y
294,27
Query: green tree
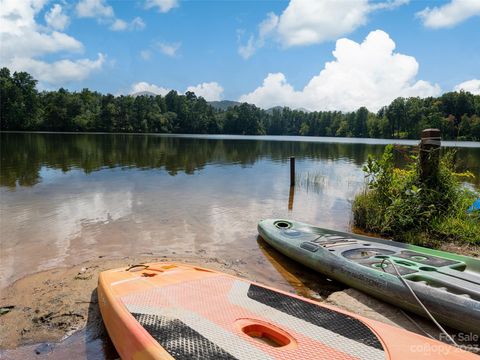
x,y
396,116
304,129
19,97
23,108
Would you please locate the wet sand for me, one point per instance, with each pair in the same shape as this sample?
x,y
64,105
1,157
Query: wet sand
x,y
51,305
56,312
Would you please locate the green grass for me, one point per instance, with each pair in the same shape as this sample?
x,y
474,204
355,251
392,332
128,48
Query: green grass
x,y
397,203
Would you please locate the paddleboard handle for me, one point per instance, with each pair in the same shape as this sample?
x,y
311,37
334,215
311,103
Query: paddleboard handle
x,y
140,266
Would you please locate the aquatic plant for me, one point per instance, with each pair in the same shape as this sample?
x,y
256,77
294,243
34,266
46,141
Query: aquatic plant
x,y
311,181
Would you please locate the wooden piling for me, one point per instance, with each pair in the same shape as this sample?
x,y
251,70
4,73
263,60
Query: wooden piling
x,y
292,171
291,197
429,155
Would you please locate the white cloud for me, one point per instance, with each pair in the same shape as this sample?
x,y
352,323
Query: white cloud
x,y
449,15
61,71
104,14
307,22
23,41
275,90
56,19
137,24
388,4
94,9
121,25
246,51
369,74
472,86
162,5
146,54
31,42
265,30
168,49
210,91
311,22
144,86
21,36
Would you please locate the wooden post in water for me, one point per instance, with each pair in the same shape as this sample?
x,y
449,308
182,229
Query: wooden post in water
x,y
292,170
429,154
291,196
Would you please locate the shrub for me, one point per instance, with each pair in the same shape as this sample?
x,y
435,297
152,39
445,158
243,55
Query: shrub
x,y
396,202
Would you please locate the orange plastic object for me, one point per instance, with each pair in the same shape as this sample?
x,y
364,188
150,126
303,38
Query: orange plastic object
x,y
176,311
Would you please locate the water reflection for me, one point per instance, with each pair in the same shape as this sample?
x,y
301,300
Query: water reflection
x,y
291,197
306,283
25,155
66,198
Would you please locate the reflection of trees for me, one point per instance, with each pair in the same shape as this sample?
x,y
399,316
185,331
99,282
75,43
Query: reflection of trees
x,y
23,155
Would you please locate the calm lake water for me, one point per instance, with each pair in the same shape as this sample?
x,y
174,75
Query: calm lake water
x,y
67,198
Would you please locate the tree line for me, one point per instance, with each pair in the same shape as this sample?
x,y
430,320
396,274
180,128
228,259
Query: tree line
x,y
23,107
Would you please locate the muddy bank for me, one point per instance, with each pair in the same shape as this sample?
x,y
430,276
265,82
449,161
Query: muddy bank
x,y
52,305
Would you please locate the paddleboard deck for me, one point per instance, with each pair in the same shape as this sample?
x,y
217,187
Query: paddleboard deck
x,y
175,311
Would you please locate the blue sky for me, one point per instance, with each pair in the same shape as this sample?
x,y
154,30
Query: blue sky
x,y
265,52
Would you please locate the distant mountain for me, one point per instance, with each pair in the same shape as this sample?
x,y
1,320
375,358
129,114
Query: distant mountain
x,y
224,104
302,109
280,108
272,109
144,93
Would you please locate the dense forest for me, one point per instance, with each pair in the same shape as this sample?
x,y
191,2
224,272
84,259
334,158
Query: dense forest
x,y
23,107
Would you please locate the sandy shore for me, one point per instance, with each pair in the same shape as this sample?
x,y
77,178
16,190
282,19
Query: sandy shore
x,y
51,305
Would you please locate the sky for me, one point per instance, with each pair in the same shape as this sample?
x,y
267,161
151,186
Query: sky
x,y
311,54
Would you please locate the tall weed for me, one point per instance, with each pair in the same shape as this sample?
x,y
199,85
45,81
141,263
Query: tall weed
x,y
396,202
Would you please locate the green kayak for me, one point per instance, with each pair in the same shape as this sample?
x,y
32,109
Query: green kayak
x,y
447,284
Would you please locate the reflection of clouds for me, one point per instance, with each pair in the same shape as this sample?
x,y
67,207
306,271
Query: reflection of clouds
x,y
342,178
72,217
230,220
42,226
69,217
328,205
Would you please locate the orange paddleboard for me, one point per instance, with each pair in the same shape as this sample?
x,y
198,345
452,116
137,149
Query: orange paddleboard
x,y
176,311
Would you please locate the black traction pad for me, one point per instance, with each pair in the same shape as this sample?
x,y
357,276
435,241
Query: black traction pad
x,y
180,340
334,321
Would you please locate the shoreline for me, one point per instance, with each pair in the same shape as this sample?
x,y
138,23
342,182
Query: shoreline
x,y
288,138
53,304
56,311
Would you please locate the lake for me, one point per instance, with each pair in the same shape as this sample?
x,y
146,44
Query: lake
x,y
67,198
